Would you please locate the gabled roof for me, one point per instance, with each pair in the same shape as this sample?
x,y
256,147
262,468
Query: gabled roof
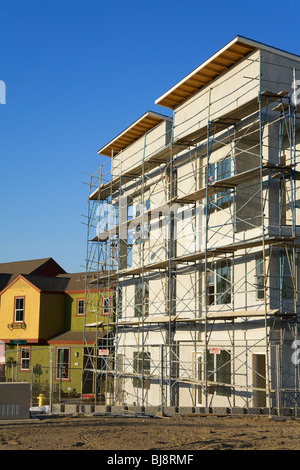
x,y
14,278
40,283
74,282
132,133
36,266
44,274
220,62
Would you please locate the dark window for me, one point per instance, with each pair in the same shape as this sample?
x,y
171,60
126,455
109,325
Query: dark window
x,y
260,291
219,372
200,377
218,283
106,306
19,309
217,172
287,276
223,199
62,363
141,304
80,307
25,359
210,287
141,366
223,282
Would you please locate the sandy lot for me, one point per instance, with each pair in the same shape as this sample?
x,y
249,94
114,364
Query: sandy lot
x,y
169,433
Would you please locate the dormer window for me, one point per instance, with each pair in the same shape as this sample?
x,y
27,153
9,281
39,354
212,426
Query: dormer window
x,y
19,309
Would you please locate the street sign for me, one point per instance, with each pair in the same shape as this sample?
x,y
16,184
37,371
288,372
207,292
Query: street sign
x,y
18,341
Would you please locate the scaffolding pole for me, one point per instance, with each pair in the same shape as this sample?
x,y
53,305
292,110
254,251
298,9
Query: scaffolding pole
x,y
224,247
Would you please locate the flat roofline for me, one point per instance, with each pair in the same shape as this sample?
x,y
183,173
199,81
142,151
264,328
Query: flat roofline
x,y
218,63
137,129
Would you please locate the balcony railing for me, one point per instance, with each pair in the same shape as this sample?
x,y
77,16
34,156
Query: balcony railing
x,y
17,326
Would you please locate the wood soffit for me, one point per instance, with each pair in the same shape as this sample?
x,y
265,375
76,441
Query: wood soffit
x,y
136,130
205,73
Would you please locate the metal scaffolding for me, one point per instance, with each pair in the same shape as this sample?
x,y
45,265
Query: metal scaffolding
x,y
167,315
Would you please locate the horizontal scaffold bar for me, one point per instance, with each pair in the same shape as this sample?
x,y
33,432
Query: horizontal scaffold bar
x,y
228,315
273,170
197,256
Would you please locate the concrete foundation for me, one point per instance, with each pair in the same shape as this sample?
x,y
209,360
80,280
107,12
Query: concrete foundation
x,y
14,401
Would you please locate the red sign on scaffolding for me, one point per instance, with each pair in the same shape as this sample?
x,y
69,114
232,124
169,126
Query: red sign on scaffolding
x,y
103,352
215,350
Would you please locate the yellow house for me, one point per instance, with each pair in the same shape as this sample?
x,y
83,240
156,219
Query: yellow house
x,y
42,306
40,302
31,300
34,313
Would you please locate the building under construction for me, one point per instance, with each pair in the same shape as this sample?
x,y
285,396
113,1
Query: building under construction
x,y
192,240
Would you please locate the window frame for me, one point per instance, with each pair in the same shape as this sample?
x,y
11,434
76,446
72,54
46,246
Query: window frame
x,y
22,359
19,309
143,229
78,313
141,358
210,287
287,276
214,278
223,171
259,277
65,376
105,306
216,372
217,171
117,302
219,278
141,299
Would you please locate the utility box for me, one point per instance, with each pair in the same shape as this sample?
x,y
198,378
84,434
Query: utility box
x,y
14,400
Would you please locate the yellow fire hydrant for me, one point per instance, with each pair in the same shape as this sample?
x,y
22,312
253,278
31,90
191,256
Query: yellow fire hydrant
x,y
40,399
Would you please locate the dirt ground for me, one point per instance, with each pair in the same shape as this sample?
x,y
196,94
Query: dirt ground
x,y
178,433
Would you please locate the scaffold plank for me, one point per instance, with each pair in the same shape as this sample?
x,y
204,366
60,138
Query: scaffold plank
x,y
228,315
197,256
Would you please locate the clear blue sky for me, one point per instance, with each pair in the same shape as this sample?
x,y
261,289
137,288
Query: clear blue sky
x,y
77,72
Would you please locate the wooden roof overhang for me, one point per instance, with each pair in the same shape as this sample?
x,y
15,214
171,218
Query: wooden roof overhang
x,y
232,53
145,123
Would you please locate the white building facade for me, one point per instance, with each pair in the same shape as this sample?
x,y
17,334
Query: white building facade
x,y
194,232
